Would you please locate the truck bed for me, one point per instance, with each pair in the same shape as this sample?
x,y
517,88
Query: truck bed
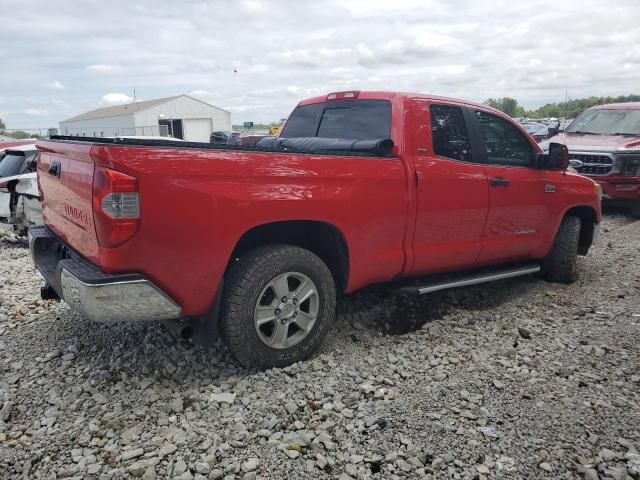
x,y
197,201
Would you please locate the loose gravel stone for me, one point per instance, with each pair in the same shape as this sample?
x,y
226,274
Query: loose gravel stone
x,y
250,465
546,467
135,453
591,474
167,449
502,381
136,469
225,397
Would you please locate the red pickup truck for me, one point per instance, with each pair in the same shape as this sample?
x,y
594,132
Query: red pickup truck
x,y
604,144
255,242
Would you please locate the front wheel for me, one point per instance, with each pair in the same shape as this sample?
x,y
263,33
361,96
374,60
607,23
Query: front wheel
x,y
561,263
278,305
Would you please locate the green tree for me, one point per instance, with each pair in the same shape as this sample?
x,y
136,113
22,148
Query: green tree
x,y
20,134
570,109
507,105
575,107
2,125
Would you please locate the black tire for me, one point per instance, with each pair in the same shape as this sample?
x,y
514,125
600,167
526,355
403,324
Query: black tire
x,y
244,288
560,264
635,211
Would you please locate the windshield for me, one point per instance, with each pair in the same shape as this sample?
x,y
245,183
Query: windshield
x,y
607,122
351,119
11,164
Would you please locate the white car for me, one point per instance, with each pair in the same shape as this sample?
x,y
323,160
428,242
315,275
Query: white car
x,y
19,196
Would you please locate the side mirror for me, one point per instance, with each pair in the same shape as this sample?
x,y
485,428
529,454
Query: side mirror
x,y
558,157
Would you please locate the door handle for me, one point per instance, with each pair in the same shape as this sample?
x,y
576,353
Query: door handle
x,y
499,182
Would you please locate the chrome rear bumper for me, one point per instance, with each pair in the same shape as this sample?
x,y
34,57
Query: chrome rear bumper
x,y
99,296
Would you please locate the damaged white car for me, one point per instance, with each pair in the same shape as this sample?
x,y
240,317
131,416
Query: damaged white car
x,y
19,196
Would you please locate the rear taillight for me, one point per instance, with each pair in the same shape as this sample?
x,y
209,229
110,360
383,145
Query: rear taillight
x,y
116,206
4,187
121,205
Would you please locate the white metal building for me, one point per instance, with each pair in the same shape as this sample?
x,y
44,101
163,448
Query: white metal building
x,y
181,116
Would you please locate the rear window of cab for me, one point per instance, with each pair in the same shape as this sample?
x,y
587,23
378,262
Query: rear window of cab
x,y
351,119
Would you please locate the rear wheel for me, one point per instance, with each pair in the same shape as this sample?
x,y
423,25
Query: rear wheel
x,y
561,263
635,210
279,304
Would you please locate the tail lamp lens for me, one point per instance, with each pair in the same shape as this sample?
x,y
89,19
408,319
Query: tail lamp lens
x,y
116,206
122,205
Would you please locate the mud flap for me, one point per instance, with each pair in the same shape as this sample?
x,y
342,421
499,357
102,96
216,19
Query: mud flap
x,y
205,329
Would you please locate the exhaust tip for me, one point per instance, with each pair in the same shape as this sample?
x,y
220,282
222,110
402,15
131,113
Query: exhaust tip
x,y
187,332
48,293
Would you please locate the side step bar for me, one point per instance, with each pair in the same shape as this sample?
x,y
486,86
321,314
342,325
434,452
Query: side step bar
x,y
472,280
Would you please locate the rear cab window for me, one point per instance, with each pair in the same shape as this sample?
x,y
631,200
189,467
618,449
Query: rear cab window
x,y
350,119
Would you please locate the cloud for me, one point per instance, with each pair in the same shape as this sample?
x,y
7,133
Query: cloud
x,y
206,95
103,69
285,51
116,99
247,108
34,112
55,85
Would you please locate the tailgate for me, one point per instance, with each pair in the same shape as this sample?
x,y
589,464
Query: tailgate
x,y
65,172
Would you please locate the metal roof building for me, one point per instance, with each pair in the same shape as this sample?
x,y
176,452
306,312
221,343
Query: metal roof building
x,y
180,116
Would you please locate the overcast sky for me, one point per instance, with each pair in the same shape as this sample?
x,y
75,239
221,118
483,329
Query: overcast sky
x,y
61,58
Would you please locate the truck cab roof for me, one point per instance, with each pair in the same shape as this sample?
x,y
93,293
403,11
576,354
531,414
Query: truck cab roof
x,y
391,96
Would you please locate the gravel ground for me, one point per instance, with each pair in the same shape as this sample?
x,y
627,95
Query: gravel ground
x,y
518,379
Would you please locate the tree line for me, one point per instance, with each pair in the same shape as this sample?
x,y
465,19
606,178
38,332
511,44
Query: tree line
x,y
17,134
570,109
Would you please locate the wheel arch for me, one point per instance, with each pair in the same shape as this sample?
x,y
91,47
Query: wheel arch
x,y
588,220
322,238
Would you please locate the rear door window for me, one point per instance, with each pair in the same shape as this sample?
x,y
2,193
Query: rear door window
x,y
351,119
450,133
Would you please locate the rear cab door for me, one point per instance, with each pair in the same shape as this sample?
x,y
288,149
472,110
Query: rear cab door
x,y
520,193
452,190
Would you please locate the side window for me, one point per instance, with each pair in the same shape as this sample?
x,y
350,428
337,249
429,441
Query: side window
x,y
303,122
450,134
505,144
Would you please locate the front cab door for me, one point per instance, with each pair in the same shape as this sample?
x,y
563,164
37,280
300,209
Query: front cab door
x,y
520,194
